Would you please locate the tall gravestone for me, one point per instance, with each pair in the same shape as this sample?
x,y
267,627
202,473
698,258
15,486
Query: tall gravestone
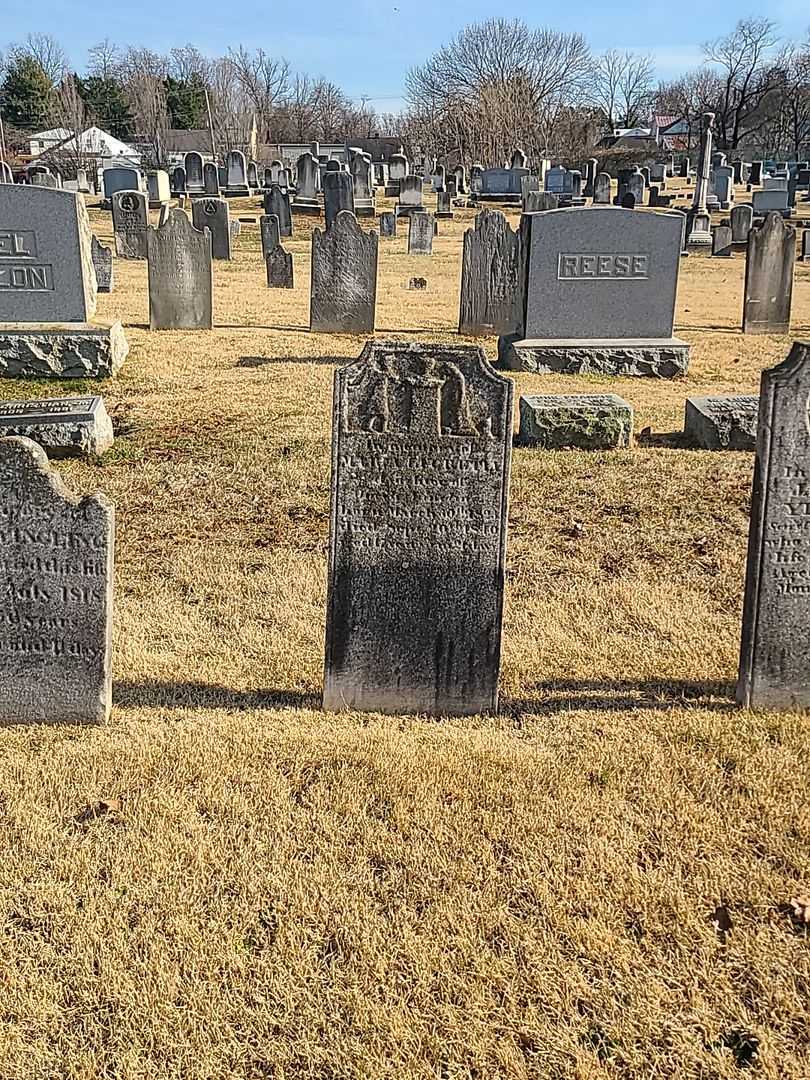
x,y
178,184
699,225
363,179
236,173
277,204
195,177
305,200
774,668
103,265
130,216
270,233
338,194
181,281
421,231
213,214
769,277
490,275
421,443
56,580
6,175
211,178
344,278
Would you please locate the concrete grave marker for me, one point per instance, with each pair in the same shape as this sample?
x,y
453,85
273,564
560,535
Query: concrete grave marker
x,y
130,217
575,421
769,277
420,478
56,579
536,202
490,276
338,195
180,276
277,204
344,277
63,427
102,264
722,422
236,173
213,214
420,234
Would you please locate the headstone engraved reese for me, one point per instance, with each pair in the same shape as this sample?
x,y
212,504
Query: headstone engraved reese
x,y
490,274
213,214
180,276
344,278
56,576
420,477
130,217
769,277
774,670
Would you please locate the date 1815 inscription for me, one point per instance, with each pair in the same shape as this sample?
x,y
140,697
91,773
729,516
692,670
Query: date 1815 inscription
x,y
421,441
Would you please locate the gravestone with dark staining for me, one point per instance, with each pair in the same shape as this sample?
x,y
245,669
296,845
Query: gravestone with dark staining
x,y
178,184
344,278
490,276
211,178
123,178
195,176
421,231
305,200
279,265
338,195
536,202
270,233
388,225
420,479
774,670
63,427
277,204
443,207
56,582
602,189
575,421
130,216
102,264
213,214
362,176
180,276
410,196
721,241
742,220
722,422
769,277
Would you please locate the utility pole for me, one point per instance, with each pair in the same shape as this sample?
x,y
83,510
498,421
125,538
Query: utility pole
x,y
210,125
3,145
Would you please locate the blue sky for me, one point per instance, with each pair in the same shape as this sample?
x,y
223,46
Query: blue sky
x,y
366,46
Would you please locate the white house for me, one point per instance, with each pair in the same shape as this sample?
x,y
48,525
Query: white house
x,y
92,143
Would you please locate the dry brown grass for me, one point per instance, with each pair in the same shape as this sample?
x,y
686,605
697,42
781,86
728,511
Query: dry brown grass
x,y
269,891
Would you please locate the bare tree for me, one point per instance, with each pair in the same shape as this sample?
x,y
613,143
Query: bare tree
x,y
264,80
69,115
48,53
788,130
623,87
104,60
231,111
144,74
747,77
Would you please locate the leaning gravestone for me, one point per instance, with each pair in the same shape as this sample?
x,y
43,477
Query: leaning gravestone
x,y
774,670
56,579
769,277
490,272
420,234
338,194
344,278
597,294
277,204
103,265
213,214
180,276
420,477
130,217
63,427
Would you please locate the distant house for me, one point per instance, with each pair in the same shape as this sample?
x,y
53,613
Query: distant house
x,y
672,133
92,143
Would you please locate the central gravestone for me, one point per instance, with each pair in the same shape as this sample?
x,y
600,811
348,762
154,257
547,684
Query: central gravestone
x,y
421,444
55,594
130,217
213,214
490,271
344,278
774,668
181,283
597,295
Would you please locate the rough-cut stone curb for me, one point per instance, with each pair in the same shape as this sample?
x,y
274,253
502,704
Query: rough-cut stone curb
x,y
575,421
722,423
660,359
62,351
63,427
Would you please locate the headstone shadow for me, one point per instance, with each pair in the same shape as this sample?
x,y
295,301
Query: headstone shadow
x,y
553,697
195,695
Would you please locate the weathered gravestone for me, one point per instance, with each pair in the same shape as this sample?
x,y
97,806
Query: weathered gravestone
x,y
398,169
213,214
769,277
538,201
601,189
344,278
774,668
180,276
130,217
721,241
305,200
195,176
388,225
123,178
774,199
722,422
490,273
278,262
277,204
236,173
575,421
363,181
420,477
443,207
157,184
806,245
597,294
211,178
338,195
420,234
742,220
178,184
102,264
410,196
63,427
6,175
270,233
56,579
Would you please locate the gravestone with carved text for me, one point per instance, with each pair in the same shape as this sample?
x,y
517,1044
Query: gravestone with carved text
x,y
130,217
213,214
420,477
180,276
490,272
344,278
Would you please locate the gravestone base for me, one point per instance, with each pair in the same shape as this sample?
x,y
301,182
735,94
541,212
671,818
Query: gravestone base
x,y
507,198
364,208
391,191
575,421
233,192
62,351
722,422
445,214
63,427
406,211
658,358
306,206
571,200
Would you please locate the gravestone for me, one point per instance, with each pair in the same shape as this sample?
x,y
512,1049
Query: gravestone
x,y
344,277
721,241
180,276
410,196
575,421
420,479
774,671
538,201
362,178
591,168
721,422
120,179
195,177
724,186
476,174
755,176
306,194
277,204
102,264
597,294
157,184
212,214
806,245
236,171
502,185
338,195
270,233
443,207
279,265
742,220
6,175
388,225
636,187
397,171
178,184
56,580
490,274
769,277
211,178
253,175
63,427
628,201
774,199
438,180
460,177
130,217
601,189
420,234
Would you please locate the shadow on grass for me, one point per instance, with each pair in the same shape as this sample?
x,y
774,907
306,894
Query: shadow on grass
x,y
260,361
255,326
620,696
665,440
191,695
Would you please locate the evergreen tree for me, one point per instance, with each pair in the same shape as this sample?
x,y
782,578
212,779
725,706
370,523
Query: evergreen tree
x,y
26,94
107,104
185,101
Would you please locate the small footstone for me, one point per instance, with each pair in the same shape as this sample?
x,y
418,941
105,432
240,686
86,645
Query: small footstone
x,y
417,283
575,421
722,423
56,582
63,427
